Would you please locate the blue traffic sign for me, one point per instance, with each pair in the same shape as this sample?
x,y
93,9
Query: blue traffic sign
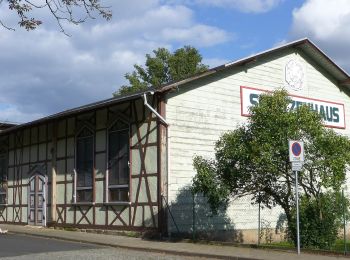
x,y
296,149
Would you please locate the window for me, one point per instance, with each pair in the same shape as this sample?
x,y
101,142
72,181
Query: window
x,y
84,166
118,163
3,177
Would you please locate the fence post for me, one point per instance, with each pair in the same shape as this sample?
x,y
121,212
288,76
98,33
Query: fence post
x,y
259,221
193,217
344,219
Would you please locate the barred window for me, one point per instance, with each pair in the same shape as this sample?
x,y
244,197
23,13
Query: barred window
x,y
84,165
118,160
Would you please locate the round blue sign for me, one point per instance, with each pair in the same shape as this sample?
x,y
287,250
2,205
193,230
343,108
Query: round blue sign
x,y
296,149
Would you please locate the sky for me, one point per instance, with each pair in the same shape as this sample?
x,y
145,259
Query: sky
x,y
44,71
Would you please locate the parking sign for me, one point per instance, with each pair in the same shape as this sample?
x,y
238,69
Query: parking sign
x,y
296,151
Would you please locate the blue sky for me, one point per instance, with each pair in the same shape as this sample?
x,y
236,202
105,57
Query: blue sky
x,y
44,71
251,32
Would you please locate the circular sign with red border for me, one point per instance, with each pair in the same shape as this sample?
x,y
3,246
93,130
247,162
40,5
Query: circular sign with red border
x,y
296,149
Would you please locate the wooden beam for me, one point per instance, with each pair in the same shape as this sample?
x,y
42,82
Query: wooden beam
x,y
344,82
53,173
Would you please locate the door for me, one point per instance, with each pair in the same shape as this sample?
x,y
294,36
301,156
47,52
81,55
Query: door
x,y
37,202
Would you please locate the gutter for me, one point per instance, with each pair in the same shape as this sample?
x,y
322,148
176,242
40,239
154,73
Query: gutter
x,y
162,119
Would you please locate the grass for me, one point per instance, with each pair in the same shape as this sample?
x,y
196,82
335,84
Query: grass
x,y
337,247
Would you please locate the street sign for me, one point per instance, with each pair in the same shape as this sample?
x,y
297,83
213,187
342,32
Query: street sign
x,y
296,151
296,157
297,166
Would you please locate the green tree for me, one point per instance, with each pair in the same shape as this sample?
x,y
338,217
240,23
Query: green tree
x,y
61,10
163,67
253,159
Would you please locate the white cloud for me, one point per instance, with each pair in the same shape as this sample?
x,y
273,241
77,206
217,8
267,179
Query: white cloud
x,y
246,6
327,23
43,71
199,35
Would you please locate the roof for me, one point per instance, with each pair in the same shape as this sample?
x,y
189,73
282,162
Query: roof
x,y
102,103
304,45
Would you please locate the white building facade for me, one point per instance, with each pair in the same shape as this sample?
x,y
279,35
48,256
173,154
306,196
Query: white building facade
x,y
201,110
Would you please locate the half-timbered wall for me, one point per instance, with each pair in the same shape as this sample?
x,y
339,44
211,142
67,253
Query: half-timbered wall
x,y
49,149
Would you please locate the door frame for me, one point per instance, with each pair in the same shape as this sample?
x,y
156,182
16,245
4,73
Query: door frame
x,y
44,193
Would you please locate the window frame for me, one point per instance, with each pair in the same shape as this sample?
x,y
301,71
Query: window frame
x,y
117,186
77,188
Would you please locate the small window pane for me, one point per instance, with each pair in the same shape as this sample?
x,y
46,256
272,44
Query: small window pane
x,y
119,194
84,195
2,198
3,188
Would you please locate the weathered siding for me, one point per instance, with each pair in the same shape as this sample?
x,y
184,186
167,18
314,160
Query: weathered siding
x,y
201,111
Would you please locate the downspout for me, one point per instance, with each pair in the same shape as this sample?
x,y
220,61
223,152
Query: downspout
x,y
153,110
160,180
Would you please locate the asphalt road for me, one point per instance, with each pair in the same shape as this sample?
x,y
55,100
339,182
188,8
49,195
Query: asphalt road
x,y
22,247
16,245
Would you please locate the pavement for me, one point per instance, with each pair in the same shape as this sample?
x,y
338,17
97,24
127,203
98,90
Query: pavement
x,y
215,251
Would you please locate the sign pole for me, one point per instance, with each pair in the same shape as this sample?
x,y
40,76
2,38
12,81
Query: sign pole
x,y
297,205
296,157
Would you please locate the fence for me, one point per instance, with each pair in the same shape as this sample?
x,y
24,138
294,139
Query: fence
x,y
245,223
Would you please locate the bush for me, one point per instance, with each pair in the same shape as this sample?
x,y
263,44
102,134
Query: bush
x,y
320,220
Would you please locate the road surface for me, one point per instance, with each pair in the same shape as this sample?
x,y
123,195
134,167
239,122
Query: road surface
x,y
22,247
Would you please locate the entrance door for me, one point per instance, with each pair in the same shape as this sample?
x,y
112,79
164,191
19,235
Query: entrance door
x,y
37,203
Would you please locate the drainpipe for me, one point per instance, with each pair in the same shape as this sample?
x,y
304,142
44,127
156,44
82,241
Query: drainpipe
x,y
153,110
161,194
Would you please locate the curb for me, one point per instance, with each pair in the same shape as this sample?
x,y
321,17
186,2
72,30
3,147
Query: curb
x,y
154,250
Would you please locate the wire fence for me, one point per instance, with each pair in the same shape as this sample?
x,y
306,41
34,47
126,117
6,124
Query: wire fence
x,y
189,216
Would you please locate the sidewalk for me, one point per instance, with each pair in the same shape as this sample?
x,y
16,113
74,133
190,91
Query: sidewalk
x,y
177,248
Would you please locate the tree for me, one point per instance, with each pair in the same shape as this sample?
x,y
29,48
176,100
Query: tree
x,y
163,67
62,10
253,159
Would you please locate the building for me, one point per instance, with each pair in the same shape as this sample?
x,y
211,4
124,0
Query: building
x,y
126,163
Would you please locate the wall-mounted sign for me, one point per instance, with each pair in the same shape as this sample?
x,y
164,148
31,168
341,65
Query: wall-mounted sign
x,y
333,114
294,74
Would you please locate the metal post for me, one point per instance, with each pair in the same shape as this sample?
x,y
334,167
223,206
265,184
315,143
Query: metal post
x,y
297,204
344,219
193,218
259,227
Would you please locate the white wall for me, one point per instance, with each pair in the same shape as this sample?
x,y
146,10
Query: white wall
x,y
200,112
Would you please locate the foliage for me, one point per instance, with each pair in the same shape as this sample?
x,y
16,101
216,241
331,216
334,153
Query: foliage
x,y
163,67
320,220
253,159
62,10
